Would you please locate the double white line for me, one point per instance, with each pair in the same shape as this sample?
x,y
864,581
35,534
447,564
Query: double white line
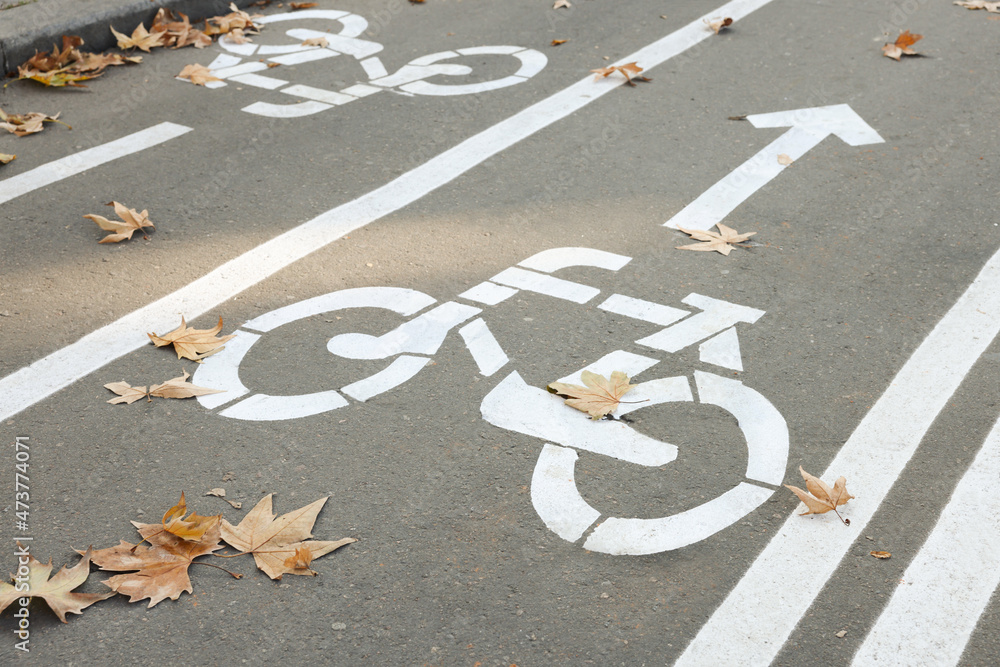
x,y
760,613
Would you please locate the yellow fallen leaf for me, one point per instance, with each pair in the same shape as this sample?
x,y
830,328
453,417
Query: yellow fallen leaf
x,y
191,528
6,158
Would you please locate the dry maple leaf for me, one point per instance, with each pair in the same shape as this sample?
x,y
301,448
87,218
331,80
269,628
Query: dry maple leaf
x,y
718,24
6,158
720,242
57,591
298,563
599,397
194,527
177,30
22,125
141,39
823,498
235,19
902,46
191,343
991,7
273,541
179,387
629,71
127,394
162,569
132,221
199,75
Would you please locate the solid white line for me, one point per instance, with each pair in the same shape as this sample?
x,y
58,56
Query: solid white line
x,y
39,177
788,575
931,616
50,374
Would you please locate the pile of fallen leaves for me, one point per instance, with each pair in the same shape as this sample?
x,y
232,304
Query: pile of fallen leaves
x,y
279,546
69,65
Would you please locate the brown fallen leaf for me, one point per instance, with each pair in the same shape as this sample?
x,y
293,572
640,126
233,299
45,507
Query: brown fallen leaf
x,y
194,527
132,221
177,30
785,159
127,394
179,387
57,591
161,569
723,242
23,124
599,397
991,7
197,74
237,18
718,24
303,5
6,158
902,46
557,42
191,343
221,493
316,41
823,498
273,65
882,555
273,542
141,39
629,70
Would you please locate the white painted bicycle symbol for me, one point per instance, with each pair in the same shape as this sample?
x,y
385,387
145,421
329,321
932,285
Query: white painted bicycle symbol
x,y
411,79
515,406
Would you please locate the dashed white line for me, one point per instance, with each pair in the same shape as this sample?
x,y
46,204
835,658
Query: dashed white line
x,y
39,177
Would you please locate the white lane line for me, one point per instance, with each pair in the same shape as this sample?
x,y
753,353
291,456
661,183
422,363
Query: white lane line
x,y
931,616
483,346
29,385
788,575
39,177
547,285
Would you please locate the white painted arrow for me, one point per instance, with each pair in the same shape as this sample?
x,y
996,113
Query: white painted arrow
x,y
808,128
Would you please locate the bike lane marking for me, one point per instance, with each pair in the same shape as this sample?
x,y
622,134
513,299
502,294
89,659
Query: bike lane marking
x,y
786,577
55,171
911,630
31,384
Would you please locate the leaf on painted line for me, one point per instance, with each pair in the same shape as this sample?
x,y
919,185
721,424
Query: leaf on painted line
x,y
599,397
901,47
197,74
718,24
316,41
57,591
722,241
784,159
131,222
191,343
823,498
991,7
280,545
629,70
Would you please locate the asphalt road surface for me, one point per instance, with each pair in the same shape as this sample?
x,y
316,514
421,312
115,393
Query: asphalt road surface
x,y
416,228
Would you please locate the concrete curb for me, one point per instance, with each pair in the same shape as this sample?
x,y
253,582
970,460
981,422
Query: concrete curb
x,y
37,26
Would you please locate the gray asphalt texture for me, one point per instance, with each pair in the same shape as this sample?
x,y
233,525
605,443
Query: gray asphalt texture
x,y
859,252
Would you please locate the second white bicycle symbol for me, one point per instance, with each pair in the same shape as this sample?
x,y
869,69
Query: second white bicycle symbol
x,y
515,406
411,79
